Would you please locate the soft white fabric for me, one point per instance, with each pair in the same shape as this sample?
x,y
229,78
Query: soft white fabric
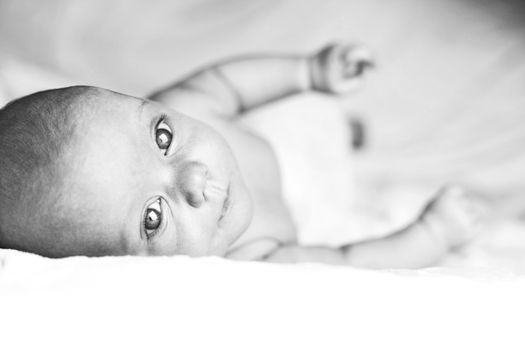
x,y
474,302
167,303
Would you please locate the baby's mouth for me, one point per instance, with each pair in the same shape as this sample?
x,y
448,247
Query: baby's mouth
x,y
220,194
226,204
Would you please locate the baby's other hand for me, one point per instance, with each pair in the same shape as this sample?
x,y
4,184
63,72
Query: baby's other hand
x,y
339,68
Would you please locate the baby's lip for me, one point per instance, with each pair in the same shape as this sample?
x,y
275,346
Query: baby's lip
x,y
226,204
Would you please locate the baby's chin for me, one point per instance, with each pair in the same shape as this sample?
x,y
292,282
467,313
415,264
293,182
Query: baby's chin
x,y
238,213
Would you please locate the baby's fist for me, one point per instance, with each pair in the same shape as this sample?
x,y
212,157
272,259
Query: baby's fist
x,y
339,68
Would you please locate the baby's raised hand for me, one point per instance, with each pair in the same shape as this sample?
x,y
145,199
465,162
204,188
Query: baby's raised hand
x,y
339,68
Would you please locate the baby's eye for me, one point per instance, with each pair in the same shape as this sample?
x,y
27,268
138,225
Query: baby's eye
x,y
152,218
163,135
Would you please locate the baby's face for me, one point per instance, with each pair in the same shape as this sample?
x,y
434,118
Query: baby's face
x,y
146,180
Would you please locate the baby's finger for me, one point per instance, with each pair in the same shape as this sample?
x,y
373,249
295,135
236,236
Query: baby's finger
x,y
357,61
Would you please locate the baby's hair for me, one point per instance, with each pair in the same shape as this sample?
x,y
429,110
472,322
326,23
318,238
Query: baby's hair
x,y
34,132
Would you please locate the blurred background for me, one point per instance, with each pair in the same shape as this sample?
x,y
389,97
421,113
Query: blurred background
x,y
445,105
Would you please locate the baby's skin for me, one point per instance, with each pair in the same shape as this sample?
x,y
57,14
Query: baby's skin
x,y
176,173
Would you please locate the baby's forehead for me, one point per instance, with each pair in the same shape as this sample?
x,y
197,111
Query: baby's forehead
x,y
83,118
73,106
73,175
99,102
102,169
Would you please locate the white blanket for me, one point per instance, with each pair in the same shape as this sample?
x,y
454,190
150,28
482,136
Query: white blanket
x,y
178,302
474,301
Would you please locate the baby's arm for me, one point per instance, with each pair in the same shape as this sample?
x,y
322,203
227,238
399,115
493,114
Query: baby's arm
x,y
447,222
413,247
236,85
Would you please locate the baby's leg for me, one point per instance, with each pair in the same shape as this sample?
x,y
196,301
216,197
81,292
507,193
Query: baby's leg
x,y
447,221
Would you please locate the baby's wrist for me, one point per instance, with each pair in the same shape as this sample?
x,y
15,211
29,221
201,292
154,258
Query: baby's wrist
x,y
317,78
305,75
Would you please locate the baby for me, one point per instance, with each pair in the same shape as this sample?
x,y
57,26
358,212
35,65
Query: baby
x,y
87,171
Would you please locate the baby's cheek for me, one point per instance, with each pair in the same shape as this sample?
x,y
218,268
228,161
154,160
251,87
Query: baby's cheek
x,y
166,244
194,235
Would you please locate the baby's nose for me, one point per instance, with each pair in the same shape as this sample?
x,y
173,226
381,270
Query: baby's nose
x,y
192,183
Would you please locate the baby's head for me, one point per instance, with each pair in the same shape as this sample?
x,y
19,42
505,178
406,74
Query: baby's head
x,y
87,171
